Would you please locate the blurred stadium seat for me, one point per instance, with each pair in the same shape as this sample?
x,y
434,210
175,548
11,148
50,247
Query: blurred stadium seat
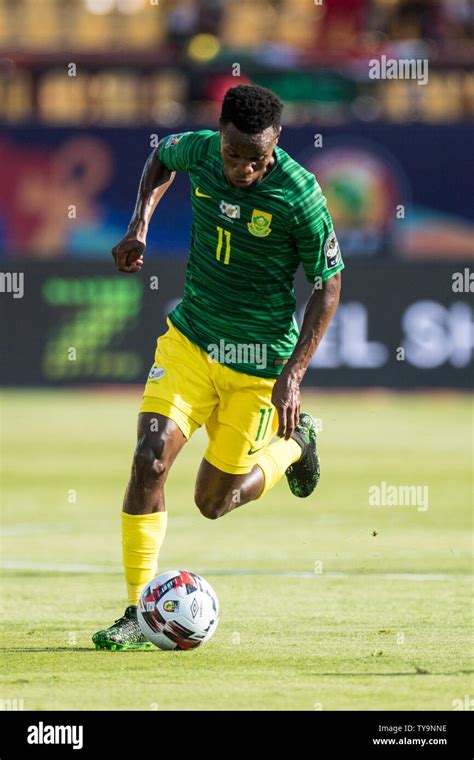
x,y
148,67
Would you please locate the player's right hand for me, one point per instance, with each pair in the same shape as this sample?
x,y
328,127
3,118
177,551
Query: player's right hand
x,y
128,254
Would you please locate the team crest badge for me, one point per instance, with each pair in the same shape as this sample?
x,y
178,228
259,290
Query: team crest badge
x,y
260,224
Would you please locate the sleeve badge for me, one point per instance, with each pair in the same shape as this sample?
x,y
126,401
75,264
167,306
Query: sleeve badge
x,y
332,252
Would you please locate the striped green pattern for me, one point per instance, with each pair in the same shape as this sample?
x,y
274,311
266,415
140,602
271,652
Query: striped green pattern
x,y
246,245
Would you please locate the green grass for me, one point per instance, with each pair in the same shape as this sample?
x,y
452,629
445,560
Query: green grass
x,y
383,623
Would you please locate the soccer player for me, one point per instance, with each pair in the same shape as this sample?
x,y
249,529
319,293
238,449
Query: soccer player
x,y
232,358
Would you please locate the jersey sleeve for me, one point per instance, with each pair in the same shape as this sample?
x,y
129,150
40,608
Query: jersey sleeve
x,y
314,234
180,152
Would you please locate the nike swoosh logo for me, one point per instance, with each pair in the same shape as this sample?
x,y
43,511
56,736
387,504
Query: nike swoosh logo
x,y
254,451
201,195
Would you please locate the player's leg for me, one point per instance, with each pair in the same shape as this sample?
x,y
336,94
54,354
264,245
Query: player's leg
x,y
144,515
218,492
178,397
144,522
159,441
241,464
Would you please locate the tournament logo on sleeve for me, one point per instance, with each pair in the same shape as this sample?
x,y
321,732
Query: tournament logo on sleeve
x,y
332,251
155,374
174,139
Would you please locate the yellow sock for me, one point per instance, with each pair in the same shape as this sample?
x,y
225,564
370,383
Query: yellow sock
x,y
142,537
275,459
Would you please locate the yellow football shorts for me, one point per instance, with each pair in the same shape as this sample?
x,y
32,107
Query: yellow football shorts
x,y
236,408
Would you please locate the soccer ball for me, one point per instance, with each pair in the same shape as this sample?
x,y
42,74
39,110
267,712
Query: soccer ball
x,y
178,610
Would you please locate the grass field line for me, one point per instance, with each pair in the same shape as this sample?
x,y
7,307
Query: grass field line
x,y
61,567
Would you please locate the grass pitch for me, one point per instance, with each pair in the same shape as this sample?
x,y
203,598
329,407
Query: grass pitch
x,y
326,603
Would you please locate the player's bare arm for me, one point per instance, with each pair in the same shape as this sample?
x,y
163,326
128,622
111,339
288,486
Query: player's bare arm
x,y
155,180
319,311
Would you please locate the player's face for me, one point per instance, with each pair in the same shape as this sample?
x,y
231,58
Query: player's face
x,y
247,158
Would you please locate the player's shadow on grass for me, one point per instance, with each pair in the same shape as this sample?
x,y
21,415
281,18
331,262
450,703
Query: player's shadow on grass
x,y
49,649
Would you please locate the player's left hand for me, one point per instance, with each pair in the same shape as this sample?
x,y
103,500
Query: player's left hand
x,y
286,399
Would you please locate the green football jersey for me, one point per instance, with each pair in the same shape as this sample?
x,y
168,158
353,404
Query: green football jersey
x,y
246,245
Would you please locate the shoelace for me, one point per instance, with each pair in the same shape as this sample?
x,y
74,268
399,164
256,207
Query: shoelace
x,y
124,620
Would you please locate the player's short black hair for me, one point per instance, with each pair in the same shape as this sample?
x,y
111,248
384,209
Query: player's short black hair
x,y
251,109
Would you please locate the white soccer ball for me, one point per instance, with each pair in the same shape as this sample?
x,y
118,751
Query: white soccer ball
x,y
178,610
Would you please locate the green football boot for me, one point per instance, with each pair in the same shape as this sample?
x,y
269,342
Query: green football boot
x,y
123,635
303,475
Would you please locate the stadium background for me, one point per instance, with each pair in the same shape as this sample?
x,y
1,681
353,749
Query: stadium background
x,y
86,86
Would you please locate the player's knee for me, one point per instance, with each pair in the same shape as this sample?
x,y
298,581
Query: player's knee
x,y
150,465
210,505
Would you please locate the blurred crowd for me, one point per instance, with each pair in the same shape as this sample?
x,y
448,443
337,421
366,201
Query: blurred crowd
x,y
138,61
295,28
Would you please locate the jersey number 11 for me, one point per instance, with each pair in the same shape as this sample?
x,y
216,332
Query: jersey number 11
x,y
220,239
